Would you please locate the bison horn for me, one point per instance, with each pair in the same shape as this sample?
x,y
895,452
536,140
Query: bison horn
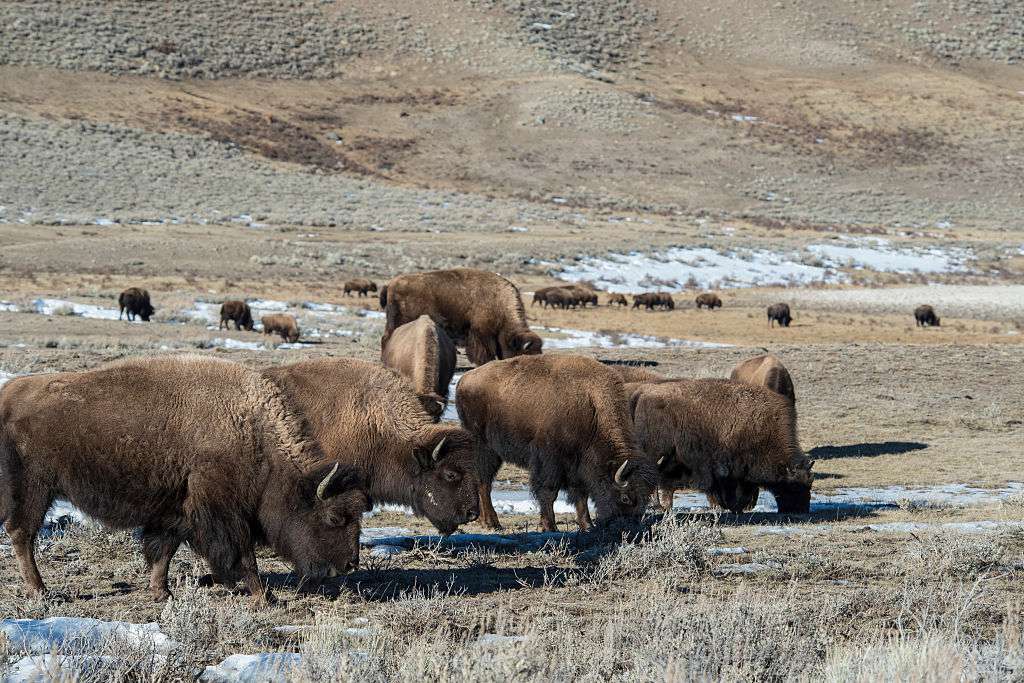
x,y
620,474
526,346
436,455
661,461
322,488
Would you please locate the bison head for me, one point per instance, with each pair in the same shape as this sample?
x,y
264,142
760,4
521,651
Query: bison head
x,y
293,335
445,489
632,484
318,532
245,322
521,343
146,311
373,286
793,493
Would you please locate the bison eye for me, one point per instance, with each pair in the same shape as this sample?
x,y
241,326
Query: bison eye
x,y
452,476
625,499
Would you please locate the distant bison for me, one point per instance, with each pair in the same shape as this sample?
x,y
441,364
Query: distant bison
x,y
766,371
925,316
237,312
360,285
425,354
584,295
724,438
779,313
282,324
559,297
481,311
565,419
368,417
618,300
708,300
652,300
188,450
136,302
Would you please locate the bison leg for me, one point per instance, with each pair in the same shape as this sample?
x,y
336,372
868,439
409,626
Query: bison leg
x,y
666,496
260,592
546,499
23,526
580,500
158,549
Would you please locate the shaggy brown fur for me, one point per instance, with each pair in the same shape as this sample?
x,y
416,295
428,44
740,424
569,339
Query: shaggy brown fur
x,y
724,438
369,418
136,302
480,311
541,296
632,373
560,297
708,299
282,324
422,352
766,371
566,419
780,313
925,316
360,285
583,295
237,312
192,450
617,300
652,300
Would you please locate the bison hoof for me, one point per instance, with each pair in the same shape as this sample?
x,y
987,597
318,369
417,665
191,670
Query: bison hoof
x,y
160,594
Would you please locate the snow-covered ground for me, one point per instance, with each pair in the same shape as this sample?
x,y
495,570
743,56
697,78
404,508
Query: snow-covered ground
x,y
61,306
8,306
566,338
703,267
41,636
988,302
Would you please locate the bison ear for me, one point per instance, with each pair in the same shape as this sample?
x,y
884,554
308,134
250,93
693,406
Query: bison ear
x,y
429,455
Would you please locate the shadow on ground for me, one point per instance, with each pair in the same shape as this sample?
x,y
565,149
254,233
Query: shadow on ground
x,y
866,450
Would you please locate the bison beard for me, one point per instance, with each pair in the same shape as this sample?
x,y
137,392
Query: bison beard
x,y
192,450
480,311
566,420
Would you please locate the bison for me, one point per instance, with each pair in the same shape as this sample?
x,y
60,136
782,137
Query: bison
x,y
566,419
136,302
766,371
541,296
724,438
584,295
634,373
646,300
191,450
780,313
368,417
925,316
709,300
282,324
560,297
237,312
482,312
617,300
360,285
422,352
652,300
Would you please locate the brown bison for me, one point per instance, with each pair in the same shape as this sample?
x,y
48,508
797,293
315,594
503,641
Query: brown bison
x,y
634,373
541,296
709,300
646,300
136,302
652,300
237,312
282,324
189,449
566,419
360,285
422,352
369,418
482,312
584,295
724,438
617,300
779,313
925,316
560,297
766,371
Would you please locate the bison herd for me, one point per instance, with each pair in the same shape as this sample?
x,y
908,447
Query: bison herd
x,y
225,458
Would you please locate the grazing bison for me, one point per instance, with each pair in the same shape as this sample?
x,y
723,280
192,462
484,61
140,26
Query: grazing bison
x,y
369,418
541,296
665,300
724,438
360,285
646,300
566,419
780,313
617,300
925,316
422,352
282,324
482,312
584,295
136,302
766,371
560,297
652,300
709,300
237,312
189,449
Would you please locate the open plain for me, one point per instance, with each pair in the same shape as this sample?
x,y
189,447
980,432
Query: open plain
x,y
852,159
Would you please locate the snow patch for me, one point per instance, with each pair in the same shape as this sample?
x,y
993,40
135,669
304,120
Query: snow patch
x,y
574,339
451,414
52,306
258,668
889,260
40,636
268,305
234,344
8,307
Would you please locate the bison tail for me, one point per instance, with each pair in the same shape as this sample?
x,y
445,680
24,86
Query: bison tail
x,y
383,297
